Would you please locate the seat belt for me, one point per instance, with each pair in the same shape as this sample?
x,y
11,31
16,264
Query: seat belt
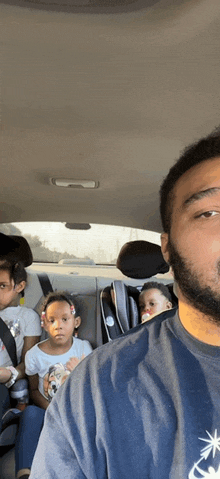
x,y
45,283
9,342
99,335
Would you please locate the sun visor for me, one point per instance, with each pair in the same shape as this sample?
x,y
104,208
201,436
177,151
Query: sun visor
x,y
141,259
15,248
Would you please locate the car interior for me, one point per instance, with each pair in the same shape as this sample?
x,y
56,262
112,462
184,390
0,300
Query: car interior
x,y
98,99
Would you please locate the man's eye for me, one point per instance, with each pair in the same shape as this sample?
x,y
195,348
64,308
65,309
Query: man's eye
x,y
3,286
208,214
65,319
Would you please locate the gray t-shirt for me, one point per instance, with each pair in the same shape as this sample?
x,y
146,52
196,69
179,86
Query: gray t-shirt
x,y
144,406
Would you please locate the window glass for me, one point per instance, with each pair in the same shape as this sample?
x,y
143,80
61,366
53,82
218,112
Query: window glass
x,y
52,242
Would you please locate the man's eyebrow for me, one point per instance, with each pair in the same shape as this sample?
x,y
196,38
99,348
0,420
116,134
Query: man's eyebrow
x,y
200,195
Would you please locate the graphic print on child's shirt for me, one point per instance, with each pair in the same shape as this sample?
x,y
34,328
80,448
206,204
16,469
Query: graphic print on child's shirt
x,y
54,378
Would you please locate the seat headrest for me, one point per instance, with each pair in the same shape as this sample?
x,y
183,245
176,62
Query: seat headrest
x,y
141,259
15,248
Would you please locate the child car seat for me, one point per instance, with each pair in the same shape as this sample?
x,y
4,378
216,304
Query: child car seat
x,y
126,305
109,324
119,317
138,260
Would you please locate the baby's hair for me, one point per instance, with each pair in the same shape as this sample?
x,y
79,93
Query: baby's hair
x,y
162,288
61,296
16,271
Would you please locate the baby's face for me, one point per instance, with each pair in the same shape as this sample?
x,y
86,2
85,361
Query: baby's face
x,y
152,301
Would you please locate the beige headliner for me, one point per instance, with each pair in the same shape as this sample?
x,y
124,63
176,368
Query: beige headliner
x,y
107,97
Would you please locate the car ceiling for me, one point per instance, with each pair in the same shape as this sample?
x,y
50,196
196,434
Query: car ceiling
x,y
109,91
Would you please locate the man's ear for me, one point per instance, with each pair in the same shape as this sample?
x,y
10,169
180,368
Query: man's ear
x,y
77,321
164,246
20,286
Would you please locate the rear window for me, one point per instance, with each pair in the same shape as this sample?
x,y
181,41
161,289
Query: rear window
x,y
91,244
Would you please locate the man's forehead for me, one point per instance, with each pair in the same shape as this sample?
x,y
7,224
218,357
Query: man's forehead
x,y
204,177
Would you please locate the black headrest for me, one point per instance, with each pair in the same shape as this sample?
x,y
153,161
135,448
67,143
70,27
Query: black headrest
x,y
141,259
15,248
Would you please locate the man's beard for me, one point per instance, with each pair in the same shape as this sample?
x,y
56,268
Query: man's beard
x,y
202,298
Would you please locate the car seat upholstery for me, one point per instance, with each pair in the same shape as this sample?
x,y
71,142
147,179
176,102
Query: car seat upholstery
x,y
141,259
16,248
126,305
119,317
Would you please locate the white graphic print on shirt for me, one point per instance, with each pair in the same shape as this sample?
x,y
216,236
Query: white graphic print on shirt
x,y
14,326
200,470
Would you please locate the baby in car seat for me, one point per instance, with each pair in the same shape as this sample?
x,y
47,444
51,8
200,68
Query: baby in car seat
x,y
154,298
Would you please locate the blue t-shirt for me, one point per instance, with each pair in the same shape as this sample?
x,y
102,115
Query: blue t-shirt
x,y
146,405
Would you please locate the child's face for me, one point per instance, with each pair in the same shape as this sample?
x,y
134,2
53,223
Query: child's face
x,y
8,290
60,323
152,301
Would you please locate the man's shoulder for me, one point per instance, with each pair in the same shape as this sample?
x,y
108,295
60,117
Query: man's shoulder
x,y
155,323
119,362
136,341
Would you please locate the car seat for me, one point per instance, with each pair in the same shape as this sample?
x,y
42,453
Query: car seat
x,y
122,314
138,260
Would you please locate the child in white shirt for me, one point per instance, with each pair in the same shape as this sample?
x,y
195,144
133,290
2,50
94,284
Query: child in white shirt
x,y
59,319
48,364
23,324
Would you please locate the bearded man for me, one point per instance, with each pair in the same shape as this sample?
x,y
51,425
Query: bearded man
x,y
147,405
